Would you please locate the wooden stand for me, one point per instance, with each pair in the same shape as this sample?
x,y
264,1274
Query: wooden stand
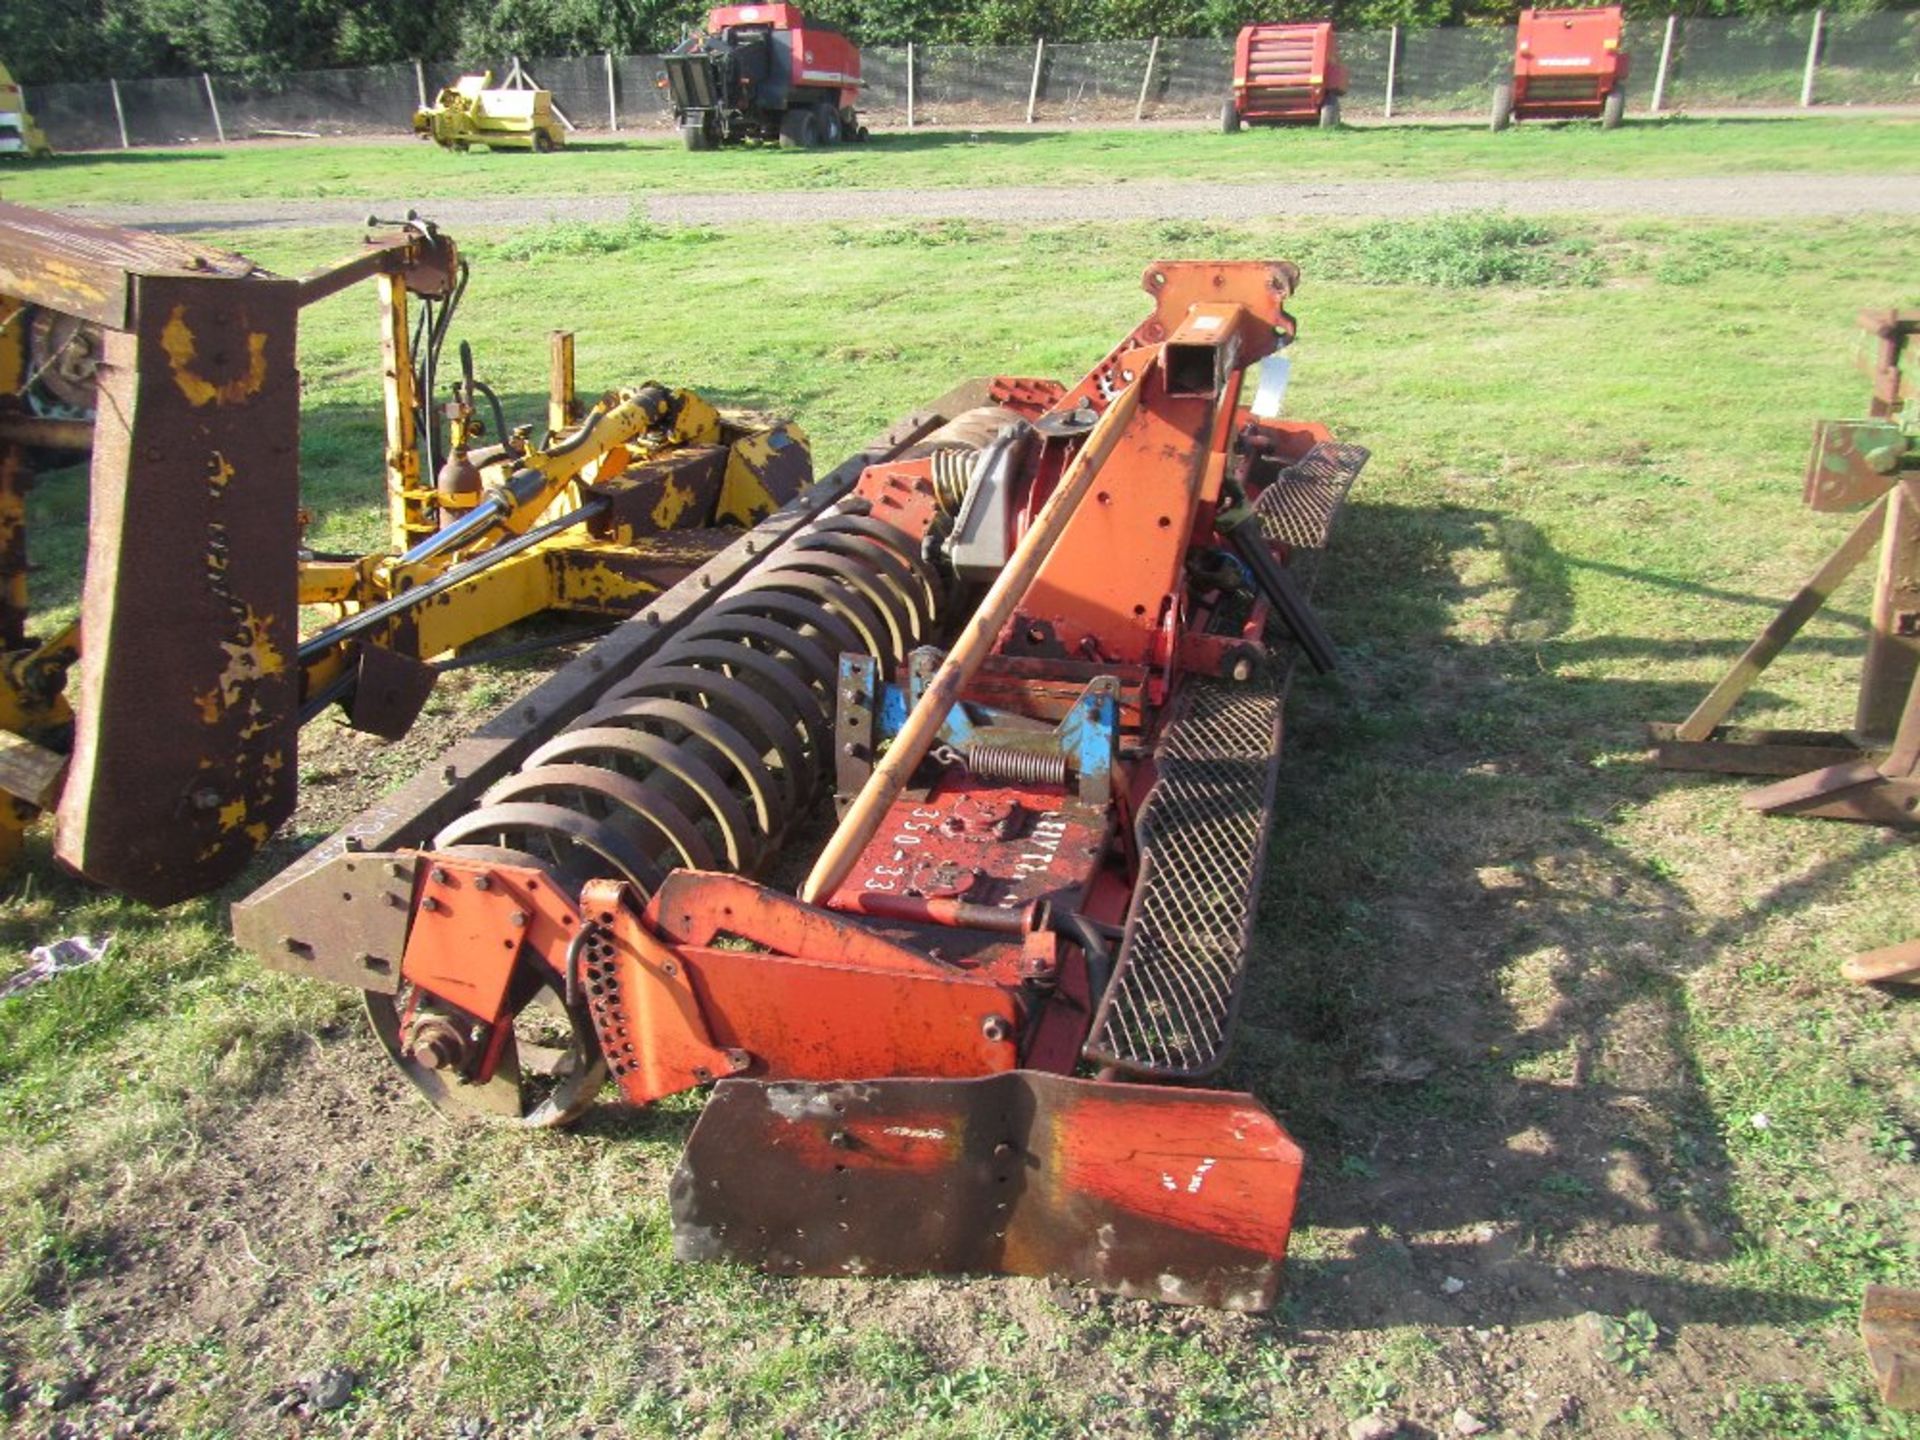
x,y
1870,774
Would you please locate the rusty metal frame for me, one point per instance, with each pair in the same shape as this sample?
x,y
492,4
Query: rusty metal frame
x,y
183,752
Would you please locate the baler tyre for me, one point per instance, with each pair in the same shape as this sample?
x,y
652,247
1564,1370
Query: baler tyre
x,y
695,136
1330,113
1229,118
1614,110
542,143
851,130
831,130
1502,107
799,130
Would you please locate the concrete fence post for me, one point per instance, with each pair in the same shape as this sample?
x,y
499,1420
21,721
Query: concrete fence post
x,y
1393,68
1146,80
910,85
1033,91
214,105
420,81
1813,58
1666,59
613,97
119,114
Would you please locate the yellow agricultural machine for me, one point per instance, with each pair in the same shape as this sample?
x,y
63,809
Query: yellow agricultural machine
x,y
472,111
18,134
161,727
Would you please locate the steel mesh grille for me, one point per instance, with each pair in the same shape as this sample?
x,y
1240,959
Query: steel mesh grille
x,y
1171,1004
1298,508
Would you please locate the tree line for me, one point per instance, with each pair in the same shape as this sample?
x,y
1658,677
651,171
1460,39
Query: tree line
x,y
52,40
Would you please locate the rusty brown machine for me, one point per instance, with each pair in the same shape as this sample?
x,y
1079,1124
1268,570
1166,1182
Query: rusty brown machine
x,y
1869,774
925,824
171,758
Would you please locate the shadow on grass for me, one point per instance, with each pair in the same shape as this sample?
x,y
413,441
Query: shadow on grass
x,y
1768,603
921,141
120,159
1470,1002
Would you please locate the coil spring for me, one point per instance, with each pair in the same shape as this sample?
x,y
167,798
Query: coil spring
x,y
715,745
951,472
989,760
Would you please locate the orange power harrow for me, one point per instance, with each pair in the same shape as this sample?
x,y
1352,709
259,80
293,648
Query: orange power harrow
x,y
1034,644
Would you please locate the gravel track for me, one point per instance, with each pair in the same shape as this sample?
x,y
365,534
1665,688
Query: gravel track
x,y
1751,197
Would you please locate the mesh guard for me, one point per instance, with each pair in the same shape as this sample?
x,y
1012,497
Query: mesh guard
x,y
1170,1009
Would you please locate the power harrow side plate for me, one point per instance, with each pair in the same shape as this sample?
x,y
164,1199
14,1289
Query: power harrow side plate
x,y
1162,1194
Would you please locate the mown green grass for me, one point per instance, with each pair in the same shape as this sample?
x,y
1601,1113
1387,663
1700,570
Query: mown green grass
x,y
415,170
1583,501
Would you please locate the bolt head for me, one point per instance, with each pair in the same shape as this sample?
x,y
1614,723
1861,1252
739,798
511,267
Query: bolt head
x,y
996,1028
518,919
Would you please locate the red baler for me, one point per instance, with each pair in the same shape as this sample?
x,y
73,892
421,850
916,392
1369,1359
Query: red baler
x,y
1284,75
765,72
1567,65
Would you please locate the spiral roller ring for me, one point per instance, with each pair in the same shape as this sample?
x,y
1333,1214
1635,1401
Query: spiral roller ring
x,y
951,471
709,751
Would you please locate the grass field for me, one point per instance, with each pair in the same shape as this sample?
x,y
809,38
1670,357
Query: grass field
x,y
1599,1144
415,170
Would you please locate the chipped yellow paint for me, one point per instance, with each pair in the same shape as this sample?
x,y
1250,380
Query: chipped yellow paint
x,y
26,706
251,655
59,284
674,500
744,497
697,422
13,345
599,583
335,581
608,466
233,815
177,340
